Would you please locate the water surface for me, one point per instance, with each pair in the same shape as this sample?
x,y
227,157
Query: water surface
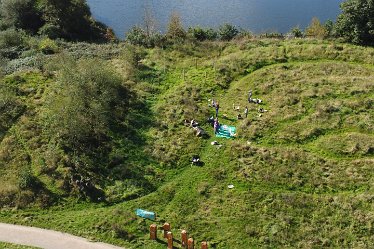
x,y
255,15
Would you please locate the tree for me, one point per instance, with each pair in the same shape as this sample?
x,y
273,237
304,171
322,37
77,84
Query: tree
x,y
20,14
149,22
316,29
297,32
136,36
84,107
175,29
329,26
227,32
356,22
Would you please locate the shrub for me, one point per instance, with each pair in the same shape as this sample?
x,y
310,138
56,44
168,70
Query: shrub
x,y
52,31
175,31
200,34
136,36
297,32
48,46
11,38
316,29
197,33
227,32
26,179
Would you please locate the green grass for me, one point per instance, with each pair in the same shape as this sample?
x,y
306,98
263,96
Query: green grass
x,y
13,246
302,171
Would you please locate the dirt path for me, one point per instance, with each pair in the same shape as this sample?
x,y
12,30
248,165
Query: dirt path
x,y
47,239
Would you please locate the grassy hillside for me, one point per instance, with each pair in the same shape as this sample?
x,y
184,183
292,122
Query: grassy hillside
x,y
302,171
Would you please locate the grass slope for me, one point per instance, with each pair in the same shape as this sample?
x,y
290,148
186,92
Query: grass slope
x,y
302,171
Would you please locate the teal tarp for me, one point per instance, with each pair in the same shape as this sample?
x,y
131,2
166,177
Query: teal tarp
x,y
226,131
146,214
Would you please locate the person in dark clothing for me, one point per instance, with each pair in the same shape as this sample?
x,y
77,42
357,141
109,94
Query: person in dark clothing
x,y
217,109
246,111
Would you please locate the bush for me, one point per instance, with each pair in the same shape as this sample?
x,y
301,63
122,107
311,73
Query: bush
x,y
316,29
48,46
11,38
137,36
52,31
297,32
227,32
200,34
175,31
26,179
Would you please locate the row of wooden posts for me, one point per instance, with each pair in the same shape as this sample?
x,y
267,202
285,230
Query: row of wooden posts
x,y
186,243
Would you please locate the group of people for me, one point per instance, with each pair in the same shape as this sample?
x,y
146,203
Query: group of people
x,y
251,100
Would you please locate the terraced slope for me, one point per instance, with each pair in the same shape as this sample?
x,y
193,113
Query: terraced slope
x,y
302,171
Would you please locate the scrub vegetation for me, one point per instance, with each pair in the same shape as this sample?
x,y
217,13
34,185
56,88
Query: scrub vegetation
x,y
89,132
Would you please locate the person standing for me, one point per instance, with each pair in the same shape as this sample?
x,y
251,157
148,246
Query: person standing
x,y
250,96
216,126
246,111
217,109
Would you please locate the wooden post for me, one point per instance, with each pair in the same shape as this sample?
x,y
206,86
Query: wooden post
x,y
166,228
190,243
204,245
170,240
153,231
184,238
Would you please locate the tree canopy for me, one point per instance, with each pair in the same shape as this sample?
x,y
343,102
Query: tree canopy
x,y
69,19
356,23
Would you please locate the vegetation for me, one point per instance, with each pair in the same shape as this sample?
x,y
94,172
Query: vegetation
x,y
316,29
12,246
301,171
56,19
355,24
90,132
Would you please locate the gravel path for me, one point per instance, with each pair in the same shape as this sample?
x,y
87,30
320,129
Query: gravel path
x,y
46,239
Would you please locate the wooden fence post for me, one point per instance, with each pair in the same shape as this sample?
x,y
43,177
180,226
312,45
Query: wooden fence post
x,y
166,228
190,243
153,231
170,240
184,238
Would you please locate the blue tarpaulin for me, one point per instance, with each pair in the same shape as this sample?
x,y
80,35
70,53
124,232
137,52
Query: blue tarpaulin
x,y
146,214
226,131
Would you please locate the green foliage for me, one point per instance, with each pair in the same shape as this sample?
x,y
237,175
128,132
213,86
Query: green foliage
x,y
69,19
330,28
13,246
201,34
48,46
21,14
175,30
11,38
137,36
26,179
316,29
51,31
355,23
227,32
301,170
297,32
